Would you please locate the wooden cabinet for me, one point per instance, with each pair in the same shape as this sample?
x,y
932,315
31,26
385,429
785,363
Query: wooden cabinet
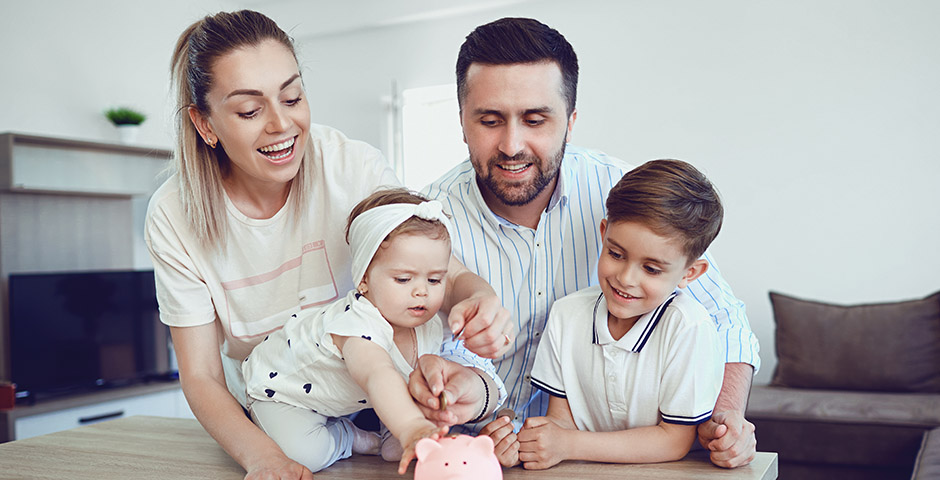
x,y
73,205
164,399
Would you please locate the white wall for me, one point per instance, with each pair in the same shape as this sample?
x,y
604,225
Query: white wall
x,y
818,120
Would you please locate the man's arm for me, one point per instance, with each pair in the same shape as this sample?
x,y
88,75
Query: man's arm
x,y
728,435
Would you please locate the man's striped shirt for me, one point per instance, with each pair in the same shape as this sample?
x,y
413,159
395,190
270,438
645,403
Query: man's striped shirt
x,y
531,268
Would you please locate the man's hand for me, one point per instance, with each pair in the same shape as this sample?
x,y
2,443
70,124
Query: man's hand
x,y
504,439
730,439
541,443
483,324
460,384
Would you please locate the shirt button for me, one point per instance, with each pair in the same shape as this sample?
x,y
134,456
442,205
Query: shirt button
x,y
527,378
538,334
538,245
538,293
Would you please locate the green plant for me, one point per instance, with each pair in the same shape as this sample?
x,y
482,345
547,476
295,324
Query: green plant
x,y
125,116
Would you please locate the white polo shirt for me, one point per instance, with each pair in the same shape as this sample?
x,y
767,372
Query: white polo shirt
x,y
668,366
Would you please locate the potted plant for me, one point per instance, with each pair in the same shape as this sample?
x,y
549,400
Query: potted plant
x,y
127,120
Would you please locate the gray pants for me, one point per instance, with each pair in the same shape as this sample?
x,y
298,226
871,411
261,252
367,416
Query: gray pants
x,y
308,438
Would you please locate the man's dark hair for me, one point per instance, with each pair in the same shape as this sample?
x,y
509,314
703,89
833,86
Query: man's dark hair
x,y
671,198
518,40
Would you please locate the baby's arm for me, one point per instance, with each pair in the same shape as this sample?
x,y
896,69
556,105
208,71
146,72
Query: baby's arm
x,y
372,369
546,441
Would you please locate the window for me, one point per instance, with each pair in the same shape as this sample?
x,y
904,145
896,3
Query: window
x,y
429,141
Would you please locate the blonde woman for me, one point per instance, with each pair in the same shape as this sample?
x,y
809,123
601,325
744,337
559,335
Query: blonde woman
x,y
249,229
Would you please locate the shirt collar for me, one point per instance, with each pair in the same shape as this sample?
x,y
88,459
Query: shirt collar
x,y
635,338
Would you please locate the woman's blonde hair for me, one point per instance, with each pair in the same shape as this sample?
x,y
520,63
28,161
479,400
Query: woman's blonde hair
x,y
199,168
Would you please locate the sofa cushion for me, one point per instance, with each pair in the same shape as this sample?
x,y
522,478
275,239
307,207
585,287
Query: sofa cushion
x,y
833,406
927,465
842,429
890,347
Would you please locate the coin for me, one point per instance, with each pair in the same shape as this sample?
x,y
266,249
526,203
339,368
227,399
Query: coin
x,y
443,400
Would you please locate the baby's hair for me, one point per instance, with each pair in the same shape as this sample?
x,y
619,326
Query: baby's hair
x,y
414,225
672,198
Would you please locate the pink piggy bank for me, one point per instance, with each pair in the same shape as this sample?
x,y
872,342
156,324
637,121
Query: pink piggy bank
x,y
457,458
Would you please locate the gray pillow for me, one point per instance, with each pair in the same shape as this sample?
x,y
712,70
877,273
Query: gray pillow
x,y
890,347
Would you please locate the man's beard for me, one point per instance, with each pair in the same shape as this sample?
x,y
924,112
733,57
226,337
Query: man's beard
x,y
518,194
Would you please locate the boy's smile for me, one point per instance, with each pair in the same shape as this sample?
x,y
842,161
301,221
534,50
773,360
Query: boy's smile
x,y
637,270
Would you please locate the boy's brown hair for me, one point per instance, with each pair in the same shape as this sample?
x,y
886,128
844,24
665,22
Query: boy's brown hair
x,y
414,225
673,199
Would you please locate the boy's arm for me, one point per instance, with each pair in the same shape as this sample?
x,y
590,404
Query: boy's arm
x,y
372,369
543,442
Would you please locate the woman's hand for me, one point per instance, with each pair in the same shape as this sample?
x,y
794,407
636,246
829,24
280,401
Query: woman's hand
x,y
483,324
281,468
475,313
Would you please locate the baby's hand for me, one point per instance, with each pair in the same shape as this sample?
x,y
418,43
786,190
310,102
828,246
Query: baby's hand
x,y
424,429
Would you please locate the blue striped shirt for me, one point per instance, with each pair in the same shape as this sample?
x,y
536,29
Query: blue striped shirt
x,y
530,269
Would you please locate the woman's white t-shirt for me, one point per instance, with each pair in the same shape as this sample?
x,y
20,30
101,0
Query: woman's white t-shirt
x,y
271,267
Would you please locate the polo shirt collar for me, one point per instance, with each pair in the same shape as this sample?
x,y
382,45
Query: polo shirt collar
x,y
635,338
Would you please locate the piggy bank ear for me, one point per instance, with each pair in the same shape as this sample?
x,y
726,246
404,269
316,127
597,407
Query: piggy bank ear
x,y
483,443
426,446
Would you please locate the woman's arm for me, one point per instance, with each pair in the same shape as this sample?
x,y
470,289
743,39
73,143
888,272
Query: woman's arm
x,y
203,382
544,443
373,370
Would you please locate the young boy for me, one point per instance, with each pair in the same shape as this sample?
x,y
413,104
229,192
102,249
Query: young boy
x,y
633,364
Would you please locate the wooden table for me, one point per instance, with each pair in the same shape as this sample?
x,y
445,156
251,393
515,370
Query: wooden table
x,y
172,448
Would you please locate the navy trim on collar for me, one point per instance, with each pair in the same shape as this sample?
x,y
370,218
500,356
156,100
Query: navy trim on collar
x,y
657,315
597,304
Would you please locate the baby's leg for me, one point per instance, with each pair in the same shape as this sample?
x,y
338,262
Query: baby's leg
x,y
311,439
391,447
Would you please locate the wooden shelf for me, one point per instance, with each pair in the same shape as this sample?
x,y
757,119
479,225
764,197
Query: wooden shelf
x,y
30,163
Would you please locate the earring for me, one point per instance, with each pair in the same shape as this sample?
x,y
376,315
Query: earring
x,y
211,144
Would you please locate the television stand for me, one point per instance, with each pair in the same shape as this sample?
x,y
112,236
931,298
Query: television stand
x,y
159,398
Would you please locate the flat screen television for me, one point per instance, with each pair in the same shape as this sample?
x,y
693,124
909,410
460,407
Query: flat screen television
x,y
78,331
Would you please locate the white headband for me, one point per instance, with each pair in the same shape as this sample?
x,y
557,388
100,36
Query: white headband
x,y
370,228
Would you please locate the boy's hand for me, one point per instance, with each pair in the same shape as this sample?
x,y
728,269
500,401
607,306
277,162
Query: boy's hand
x,y
424,429
504,439
730,439
541,443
